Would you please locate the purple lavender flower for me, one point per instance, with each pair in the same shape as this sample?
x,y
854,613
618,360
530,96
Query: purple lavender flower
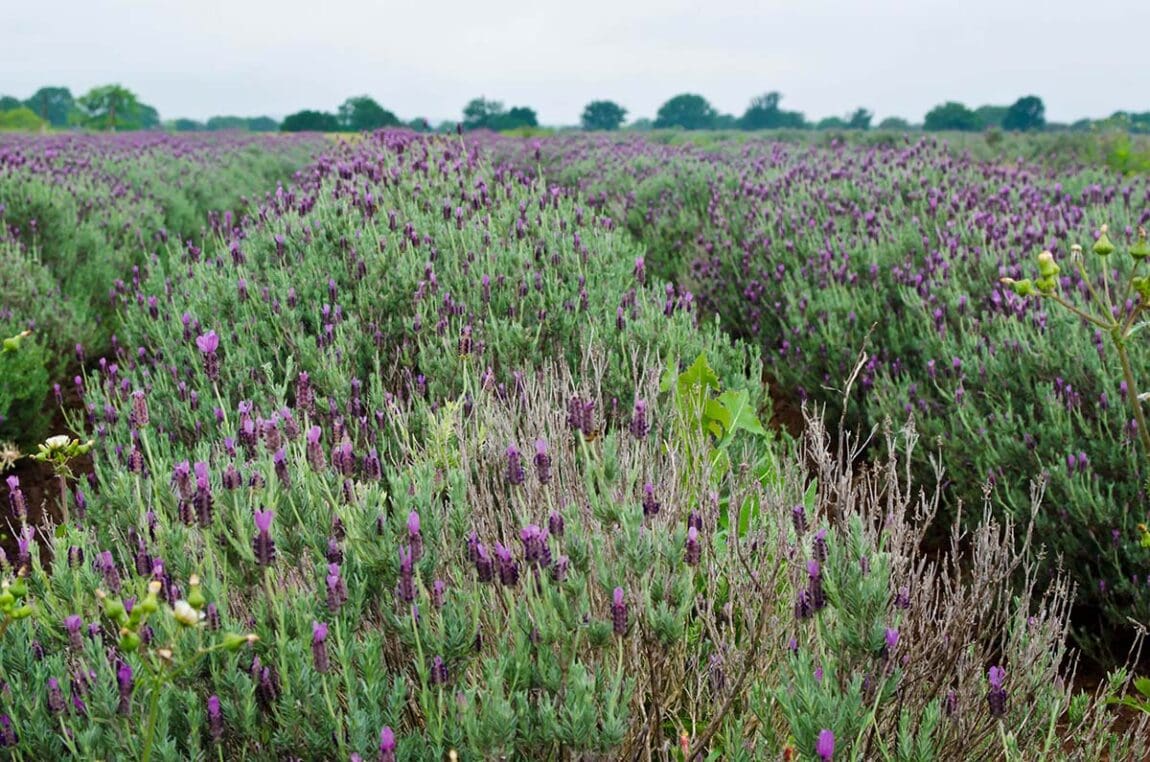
x,y
8,737
559,568
263,544
319,647
651,506
16,499
803,607
414,537
639,424
820,546
555,524
542,461
508,568
438,591
890,636
484,566
693,551
996,693
72,625
825,745
818,597
336,588
799,518
406,587
208,344
438,671
125,683
215,719
619,612
515,473
55,696
139,415
386,745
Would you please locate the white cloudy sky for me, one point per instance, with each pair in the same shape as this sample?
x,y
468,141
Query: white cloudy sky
x,y
197,58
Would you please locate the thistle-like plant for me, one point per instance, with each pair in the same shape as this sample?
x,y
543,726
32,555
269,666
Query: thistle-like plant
x,y
1117,309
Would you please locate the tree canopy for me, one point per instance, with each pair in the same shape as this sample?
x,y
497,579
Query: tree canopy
x,y
310,121
54,105
362,112
688,111
764,113
115,107
21,118
951,116
484,114
603,115
1025,114
860,119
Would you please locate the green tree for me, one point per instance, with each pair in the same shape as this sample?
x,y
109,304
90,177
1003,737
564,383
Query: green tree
x,y
764,113
364,113
262,124
894,123
832,123
22,119
603,115
310,121
188,125
1025,114
481,113
520,116
8,103
687,111
860,119
951,116
54,105
114,107
217,123
991,116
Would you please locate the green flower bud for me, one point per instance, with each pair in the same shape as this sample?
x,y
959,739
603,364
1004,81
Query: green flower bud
x,y
234,641
19,588
1047,266
1141,284
129,641
1141,248
1103,246
12,344
1023,287
195,594
7,600
1046,285
22,612
115,611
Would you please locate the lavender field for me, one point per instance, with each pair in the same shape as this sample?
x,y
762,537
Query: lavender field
x,y
576,447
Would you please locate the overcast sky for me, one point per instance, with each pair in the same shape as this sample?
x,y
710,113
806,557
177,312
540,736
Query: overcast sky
x,y
198,58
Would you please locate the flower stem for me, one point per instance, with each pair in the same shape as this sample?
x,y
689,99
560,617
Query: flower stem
x,y
153,713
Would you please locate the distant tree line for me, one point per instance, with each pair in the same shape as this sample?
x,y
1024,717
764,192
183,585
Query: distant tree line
x,y
114,107
107,108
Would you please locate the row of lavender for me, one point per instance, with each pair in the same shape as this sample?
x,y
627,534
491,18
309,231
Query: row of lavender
x,y
78,212
421,456
818,256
